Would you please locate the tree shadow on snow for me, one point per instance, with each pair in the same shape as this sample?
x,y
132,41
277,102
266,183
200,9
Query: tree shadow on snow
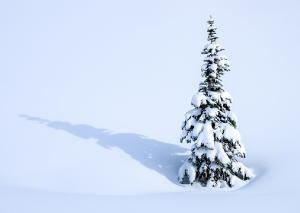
x,y
161,157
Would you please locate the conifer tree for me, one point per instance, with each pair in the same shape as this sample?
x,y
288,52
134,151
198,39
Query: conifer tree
x,y
212,127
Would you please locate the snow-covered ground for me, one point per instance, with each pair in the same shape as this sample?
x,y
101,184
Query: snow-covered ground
x,y
93,94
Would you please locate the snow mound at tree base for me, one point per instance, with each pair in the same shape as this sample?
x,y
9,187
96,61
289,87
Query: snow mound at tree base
x,y
221,186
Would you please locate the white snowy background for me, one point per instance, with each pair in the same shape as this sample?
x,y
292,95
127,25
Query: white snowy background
x,y
93,94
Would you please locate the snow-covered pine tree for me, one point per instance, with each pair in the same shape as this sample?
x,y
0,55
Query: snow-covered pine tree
x,y
212,127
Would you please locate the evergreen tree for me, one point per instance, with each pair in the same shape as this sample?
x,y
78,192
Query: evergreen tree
x,y
212,127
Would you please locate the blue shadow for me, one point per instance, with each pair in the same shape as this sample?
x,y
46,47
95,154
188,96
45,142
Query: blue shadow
x,y
158,156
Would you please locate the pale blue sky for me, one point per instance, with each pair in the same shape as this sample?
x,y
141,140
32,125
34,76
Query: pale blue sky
x,y
136,64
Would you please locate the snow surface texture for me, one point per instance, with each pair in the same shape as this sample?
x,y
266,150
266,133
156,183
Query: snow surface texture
x,y
93,77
